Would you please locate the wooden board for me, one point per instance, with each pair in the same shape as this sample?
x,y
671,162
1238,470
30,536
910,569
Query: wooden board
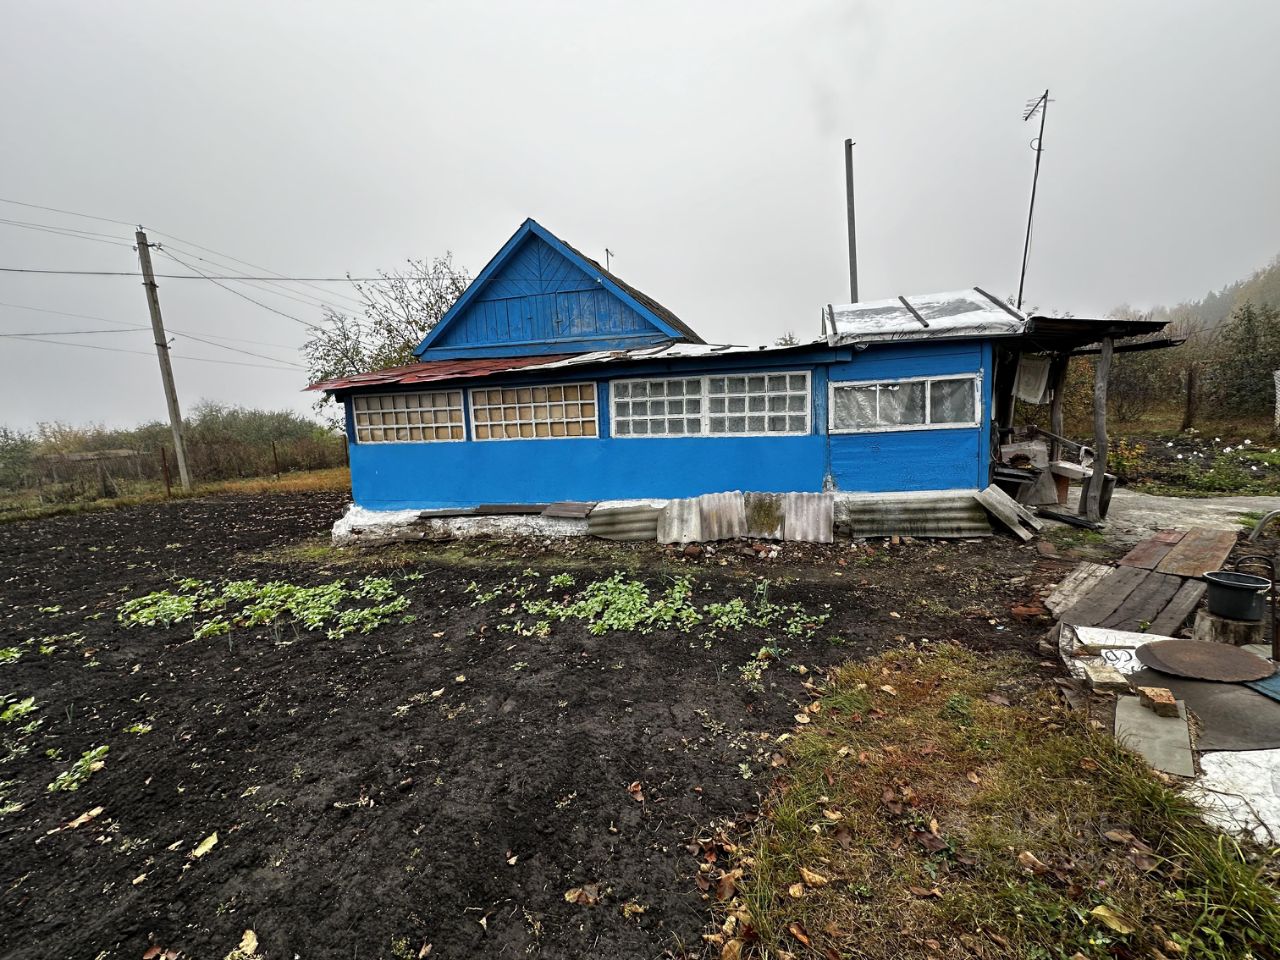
x,y
1147,554
1148,600
573,509
494,509
1170,536
1176,611
1075,585
1105,598
999,504
1199,551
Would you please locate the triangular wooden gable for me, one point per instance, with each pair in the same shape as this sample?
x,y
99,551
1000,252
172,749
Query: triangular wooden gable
x,y
540,296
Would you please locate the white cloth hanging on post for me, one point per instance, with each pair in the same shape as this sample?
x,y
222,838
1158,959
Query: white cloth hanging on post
x,y
1032,382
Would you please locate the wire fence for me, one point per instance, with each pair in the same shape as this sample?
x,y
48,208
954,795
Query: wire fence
x,y
105,474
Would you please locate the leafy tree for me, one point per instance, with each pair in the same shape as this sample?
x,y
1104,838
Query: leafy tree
x,y
1240,382
398,311
16,451
788,339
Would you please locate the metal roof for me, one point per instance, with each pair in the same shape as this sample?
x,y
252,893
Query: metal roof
x,y
436,370
960,313
432,371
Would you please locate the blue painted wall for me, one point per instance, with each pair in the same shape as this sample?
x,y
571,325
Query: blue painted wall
x,y
914,459
430,475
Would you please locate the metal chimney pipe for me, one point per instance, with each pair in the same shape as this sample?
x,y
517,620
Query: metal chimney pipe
x,y
853,232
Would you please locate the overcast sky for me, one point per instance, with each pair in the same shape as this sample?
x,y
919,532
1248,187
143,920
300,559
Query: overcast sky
x,y
700,142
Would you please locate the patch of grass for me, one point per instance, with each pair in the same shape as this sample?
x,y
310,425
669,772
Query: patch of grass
x,y
1249,519
26,506
930,821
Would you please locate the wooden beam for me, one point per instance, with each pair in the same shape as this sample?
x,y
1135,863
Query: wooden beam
x,y
1091,506
1061,367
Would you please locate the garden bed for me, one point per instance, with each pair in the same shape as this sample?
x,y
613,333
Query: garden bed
x,y
510,762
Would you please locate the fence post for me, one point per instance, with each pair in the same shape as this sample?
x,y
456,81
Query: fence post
x,y
164,468
275,459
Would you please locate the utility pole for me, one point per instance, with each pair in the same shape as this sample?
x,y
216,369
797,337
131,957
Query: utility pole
x,y
853,233
162,351
1039,105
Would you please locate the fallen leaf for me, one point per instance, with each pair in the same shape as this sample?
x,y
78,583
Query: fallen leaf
x,y
889,690
437,693
998,699
151,953
1119,836
923,892
1029,861
1088,763
732,950
798,931
802,718
796,890
139,878
84,818
637,791
425,951
812,878
1114,919
460,678
727,886
844,837
833,815
972,777
584,896
205,845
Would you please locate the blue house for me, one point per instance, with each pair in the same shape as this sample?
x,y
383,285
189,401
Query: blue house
x,y
552,380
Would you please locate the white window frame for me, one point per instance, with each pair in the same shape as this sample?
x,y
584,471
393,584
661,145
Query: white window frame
x,y
460,408
595,402
834,385
706,413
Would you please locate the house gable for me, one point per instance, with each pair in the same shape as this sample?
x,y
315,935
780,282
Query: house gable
x,y
540,296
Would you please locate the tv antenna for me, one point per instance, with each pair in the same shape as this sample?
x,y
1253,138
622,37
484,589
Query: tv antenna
x,y
1040,105
608,255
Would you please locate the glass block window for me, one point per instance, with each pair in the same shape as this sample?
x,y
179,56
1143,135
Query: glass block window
x,y
730,405
922,403
534,413
409,417
657,408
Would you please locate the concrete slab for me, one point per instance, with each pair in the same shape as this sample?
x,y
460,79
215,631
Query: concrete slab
x,y
1164,742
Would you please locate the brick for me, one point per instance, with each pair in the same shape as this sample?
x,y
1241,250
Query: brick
x,y
1103,677
1159,699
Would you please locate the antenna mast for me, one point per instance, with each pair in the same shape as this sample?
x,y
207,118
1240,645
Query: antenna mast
x,y
1039,105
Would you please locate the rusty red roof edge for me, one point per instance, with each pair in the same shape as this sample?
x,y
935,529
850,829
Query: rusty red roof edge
x,y
435,370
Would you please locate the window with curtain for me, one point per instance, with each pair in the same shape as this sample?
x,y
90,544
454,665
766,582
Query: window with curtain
x,y
920,403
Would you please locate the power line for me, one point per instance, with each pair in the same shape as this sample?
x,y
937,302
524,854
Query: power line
x,y
89,316
243,296
247,353
72,333
58,231
72,213
255,266
201,276
145,353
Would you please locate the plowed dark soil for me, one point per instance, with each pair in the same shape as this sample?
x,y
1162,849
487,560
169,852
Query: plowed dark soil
x,y
359,812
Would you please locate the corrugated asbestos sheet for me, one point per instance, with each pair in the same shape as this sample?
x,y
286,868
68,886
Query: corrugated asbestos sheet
x,y
809,517
943,514
764,515
680,521
637,520
722,515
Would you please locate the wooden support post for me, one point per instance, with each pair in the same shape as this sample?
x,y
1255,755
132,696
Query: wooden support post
x,y
1061,367
1090,506
164,470
275,459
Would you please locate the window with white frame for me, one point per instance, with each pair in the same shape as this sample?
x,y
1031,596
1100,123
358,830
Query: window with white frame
x,y
918,403
657,408
408,417
534,413
728,405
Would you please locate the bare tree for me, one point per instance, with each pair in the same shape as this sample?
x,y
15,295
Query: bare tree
x,y
398,311
788,339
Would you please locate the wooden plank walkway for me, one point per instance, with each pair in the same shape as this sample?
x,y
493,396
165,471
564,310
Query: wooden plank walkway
x,y
1156,587
1199,551
1149,553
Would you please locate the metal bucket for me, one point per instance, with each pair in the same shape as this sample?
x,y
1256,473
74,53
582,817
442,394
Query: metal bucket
x,y
1237,596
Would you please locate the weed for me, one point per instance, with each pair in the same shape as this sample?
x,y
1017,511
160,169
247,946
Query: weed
x,y
10,654
139,729
17,709
90,762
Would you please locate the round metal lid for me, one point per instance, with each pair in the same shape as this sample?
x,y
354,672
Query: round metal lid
x,y
1203,660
